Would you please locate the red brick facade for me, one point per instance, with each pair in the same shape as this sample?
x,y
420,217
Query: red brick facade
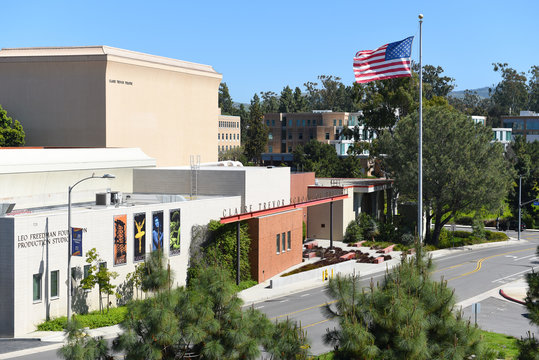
x,y
266,259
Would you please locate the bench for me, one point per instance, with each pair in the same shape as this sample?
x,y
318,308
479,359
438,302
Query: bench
x,y
309,255
387,250
359,243
379,260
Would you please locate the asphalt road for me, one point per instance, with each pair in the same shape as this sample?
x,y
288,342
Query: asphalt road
x,y
473,274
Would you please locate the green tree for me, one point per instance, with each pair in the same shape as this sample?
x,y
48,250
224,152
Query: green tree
x,y
510,94
529,347
434,84
81,346
270,102
286,101
353,232
257,132
462,169
225,100
318,157
300,102
470,104
408,316
11,131
235,154
288,341
533,85
99,275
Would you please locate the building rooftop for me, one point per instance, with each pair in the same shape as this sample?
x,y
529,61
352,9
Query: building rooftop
x,y
25,160
102,50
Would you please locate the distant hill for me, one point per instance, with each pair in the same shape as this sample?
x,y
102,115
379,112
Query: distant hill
x,y
481,92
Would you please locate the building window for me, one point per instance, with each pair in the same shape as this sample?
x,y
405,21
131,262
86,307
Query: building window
x,y
334,122
37,287
289,122
277,242
303,122
340,122
289,135
320,122
300,136
103,265
272,122
226,136
308,122
54,283
270,136
298,121
327,136
270,148
218,136
267,122
238,124
226,148
86,271
284,241
508,136
289,240
311,136
290,149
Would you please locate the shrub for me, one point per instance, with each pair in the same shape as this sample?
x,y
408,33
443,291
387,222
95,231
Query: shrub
x,y
463,220
407,239
495,236
353,232
92,320
478,227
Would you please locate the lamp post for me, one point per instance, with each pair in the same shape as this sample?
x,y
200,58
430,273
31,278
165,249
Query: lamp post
x,y
105,176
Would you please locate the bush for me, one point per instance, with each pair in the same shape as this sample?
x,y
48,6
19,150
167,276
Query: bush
x,y
495,236
353,233
92,320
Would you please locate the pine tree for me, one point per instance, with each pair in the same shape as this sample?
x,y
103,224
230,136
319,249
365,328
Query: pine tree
x,y
286,101
408,316
257,132
11,132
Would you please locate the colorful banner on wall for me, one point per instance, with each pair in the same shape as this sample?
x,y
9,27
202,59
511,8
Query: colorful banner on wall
x,y
174,228
140,236
157,232
120,239
76,241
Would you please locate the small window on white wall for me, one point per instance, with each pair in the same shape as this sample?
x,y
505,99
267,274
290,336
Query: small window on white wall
x,y
37,287
54,283
284,241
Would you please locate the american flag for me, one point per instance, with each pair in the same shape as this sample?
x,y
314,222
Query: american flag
x,y
387,62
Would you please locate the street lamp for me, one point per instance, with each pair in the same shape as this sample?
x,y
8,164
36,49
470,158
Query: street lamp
x,y
105,176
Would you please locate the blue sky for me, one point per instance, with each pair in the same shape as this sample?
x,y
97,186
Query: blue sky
x,y
266,45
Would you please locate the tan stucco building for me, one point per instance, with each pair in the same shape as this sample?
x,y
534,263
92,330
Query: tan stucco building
x,y
98,96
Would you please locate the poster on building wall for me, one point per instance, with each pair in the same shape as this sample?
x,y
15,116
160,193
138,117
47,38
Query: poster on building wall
x,y
174,232
120,239
139,221
157,232
76,241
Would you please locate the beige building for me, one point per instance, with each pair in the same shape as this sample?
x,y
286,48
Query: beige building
x,y
98,96
229,134
287,130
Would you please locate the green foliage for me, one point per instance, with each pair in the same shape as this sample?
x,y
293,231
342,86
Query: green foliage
x,y
511,94
93,320
81,346
452,179
288,341
408,316
99,275
220,250
11,131
478,227
155,276
304,231
235,154
353,233
528,347
318,157
257,132
225,100
286,101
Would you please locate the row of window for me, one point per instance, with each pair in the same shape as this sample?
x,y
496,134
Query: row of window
x,y
282,239
225,136
226,148
303,122
37,285
229,124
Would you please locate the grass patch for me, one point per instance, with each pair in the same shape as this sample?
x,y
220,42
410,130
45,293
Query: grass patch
x,y
92,320
246,284
505,345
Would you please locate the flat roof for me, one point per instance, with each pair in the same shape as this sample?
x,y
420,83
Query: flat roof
x,y
23,160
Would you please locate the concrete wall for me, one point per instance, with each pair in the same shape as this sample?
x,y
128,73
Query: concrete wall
x,y
299,184
59,101
169,114
6,278
34,255
41,189
265,262
266,187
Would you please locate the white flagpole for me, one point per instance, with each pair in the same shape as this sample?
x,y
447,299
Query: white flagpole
x,y
420,167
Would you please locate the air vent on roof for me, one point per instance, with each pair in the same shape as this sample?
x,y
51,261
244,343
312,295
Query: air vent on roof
x,y
102,199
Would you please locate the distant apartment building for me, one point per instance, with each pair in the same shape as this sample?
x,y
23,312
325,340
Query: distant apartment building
x,y
229,133
526,124
479,119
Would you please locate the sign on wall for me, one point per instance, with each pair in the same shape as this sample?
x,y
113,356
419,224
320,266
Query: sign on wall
x,y
76,241
139,221
174,232
157,232
120,240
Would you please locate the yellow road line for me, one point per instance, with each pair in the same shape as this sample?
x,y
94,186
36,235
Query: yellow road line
x,y
313,324
449,267
480,262
301,310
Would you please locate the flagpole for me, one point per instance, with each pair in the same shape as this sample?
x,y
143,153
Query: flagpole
x,y
420,157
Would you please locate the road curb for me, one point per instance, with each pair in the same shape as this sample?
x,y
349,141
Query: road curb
x,y
502,293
